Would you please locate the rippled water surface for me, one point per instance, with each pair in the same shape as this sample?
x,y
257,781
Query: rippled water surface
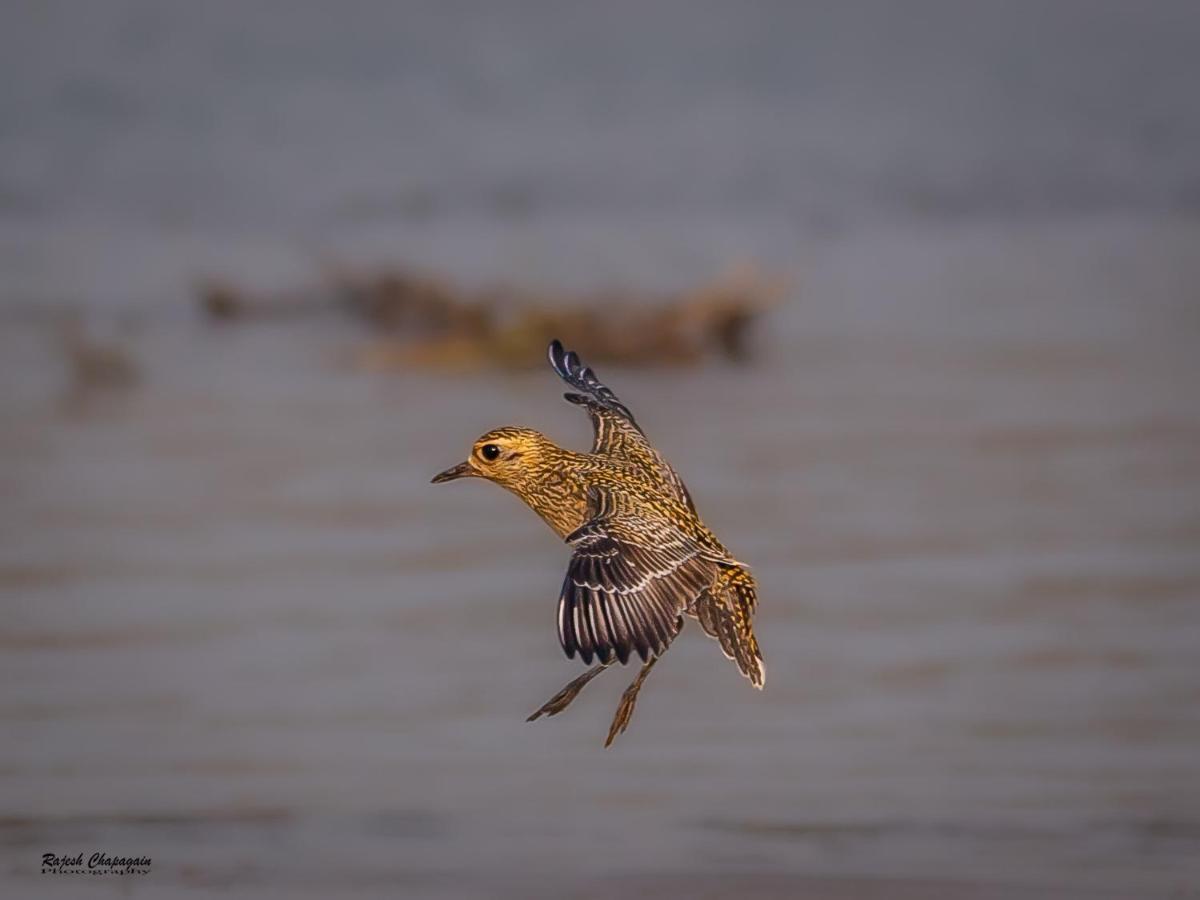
x,y
242,634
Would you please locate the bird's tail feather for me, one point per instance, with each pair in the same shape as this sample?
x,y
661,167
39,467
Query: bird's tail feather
x,y
726,612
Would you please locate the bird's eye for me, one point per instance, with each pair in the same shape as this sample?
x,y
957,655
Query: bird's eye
x,y
489,452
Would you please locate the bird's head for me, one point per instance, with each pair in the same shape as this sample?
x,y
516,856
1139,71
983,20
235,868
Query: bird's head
x,y
507,456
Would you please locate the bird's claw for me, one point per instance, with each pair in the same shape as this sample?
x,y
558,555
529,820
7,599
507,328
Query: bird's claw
x,y
623,714
555,704
563,698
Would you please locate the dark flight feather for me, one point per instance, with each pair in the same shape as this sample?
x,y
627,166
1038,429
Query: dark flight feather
x,y
615,432
630,578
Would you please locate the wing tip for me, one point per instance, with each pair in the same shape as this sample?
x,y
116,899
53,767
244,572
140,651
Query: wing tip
x,y
568,365
555,354
565,362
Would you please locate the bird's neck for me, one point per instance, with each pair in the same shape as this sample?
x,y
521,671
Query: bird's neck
x,y
556,489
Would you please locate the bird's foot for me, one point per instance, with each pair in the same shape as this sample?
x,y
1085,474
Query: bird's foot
x,y
563,698
624,713
628,700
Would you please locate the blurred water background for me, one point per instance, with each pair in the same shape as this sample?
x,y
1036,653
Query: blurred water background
x,y
243,635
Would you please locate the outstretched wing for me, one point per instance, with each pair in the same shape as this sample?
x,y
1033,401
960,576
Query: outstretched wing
x,y
628,583
616,432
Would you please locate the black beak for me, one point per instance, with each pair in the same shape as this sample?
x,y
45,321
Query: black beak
x,y
462,470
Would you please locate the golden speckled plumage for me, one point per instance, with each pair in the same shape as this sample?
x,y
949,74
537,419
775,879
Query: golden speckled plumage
x,y
642,558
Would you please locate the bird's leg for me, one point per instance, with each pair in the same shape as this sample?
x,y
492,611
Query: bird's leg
x,y
628,700
563,698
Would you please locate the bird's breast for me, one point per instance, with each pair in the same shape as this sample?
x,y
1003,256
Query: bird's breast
x,y
559,496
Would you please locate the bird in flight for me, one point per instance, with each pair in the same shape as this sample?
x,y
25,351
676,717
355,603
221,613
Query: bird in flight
x,y
641,560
